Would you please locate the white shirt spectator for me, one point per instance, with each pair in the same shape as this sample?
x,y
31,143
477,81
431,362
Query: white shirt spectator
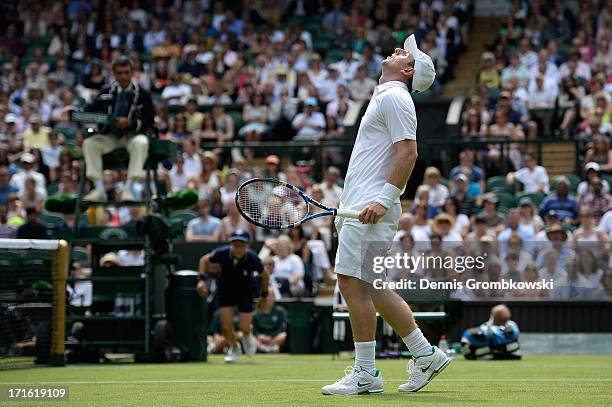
x,y
51,155
541,98
18,180
347,68
193,165
179,181
288,267
316,119
520,72
531,179
437,195
173,93
361,89
605,224
528,59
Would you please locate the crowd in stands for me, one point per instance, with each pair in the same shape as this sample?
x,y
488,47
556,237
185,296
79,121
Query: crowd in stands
x,y
548,74
267,70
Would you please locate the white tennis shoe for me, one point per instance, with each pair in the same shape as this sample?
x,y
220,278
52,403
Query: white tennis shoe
x,y
232,354
249,344
423,369
356,381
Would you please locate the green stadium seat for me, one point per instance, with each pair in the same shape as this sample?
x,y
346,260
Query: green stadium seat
x,y
506,200
185,215
237,118
334,55
321,44
51,219
323,35
79,254
52,188
498,181
445,182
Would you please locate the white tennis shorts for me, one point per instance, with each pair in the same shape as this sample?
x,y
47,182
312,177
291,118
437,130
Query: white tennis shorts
x,y
358,243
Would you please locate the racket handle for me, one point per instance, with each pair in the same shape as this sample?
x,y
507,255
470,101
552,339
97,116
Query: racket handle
x,y
348,213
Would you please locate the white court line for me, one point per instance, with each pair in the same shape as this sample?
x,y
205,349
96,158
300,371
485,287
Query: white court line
x,y
230,381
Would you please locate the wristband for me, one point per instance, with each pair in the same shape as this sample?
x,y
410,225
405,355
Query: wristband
x,y
202,277
389,195
264,294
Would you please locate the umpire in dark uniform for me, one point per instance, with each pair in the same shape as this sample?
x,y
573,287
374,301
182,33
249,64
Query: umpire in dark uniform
x,y
132,113
236,264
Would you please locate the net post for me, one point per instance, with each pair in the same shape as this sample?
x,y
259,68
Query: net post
x,y
58,330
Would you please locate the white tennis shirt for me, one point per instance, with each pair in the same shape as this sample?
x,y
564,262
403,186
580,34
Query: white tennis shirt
x,y
389,118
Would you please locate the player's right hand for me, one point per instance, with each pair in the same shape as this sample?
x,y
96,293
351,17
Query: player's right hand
x,y
201,288
372,213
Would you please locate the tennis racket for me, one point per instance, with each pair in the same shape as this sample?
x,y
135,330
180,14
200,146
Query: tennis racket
x,y
274,204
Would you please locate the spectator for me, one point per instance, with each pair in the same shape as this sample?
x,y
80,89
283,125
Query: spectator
x,y
467,204
309,124
32,228
288,268
7,231
573,285
37,136
600,153
193,118
33,196
533,177
361,86
333,18
443,226
177,174
193,161
6,187
176,90
330,188
270,322
596,199
27,171
515,70
528,215
461,223
208,179
437,191
514,226
566,207
255,116
223,123
232,222
204,227
488,74
473,128
495,220
422,199
591,172
348,65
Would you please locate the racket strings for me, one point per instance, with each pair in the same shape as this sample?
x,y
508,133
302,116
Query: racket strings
x,y
271,204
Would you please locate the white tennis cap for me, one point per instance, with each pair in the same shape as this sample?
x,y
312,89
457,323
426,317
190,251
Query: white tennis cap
x,y
424,70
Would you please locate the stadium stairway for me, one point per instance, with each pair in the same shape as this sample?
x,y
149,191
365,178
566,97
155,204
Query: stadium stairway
x,y
482,34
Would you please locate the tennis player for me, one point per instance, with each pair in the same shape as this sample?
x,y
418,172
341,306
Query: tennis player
x,y
382,160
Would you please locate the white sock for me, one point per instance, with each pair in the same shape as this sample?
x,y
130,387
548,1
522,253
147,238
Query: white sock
x,y
99,185
364,356
417,344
